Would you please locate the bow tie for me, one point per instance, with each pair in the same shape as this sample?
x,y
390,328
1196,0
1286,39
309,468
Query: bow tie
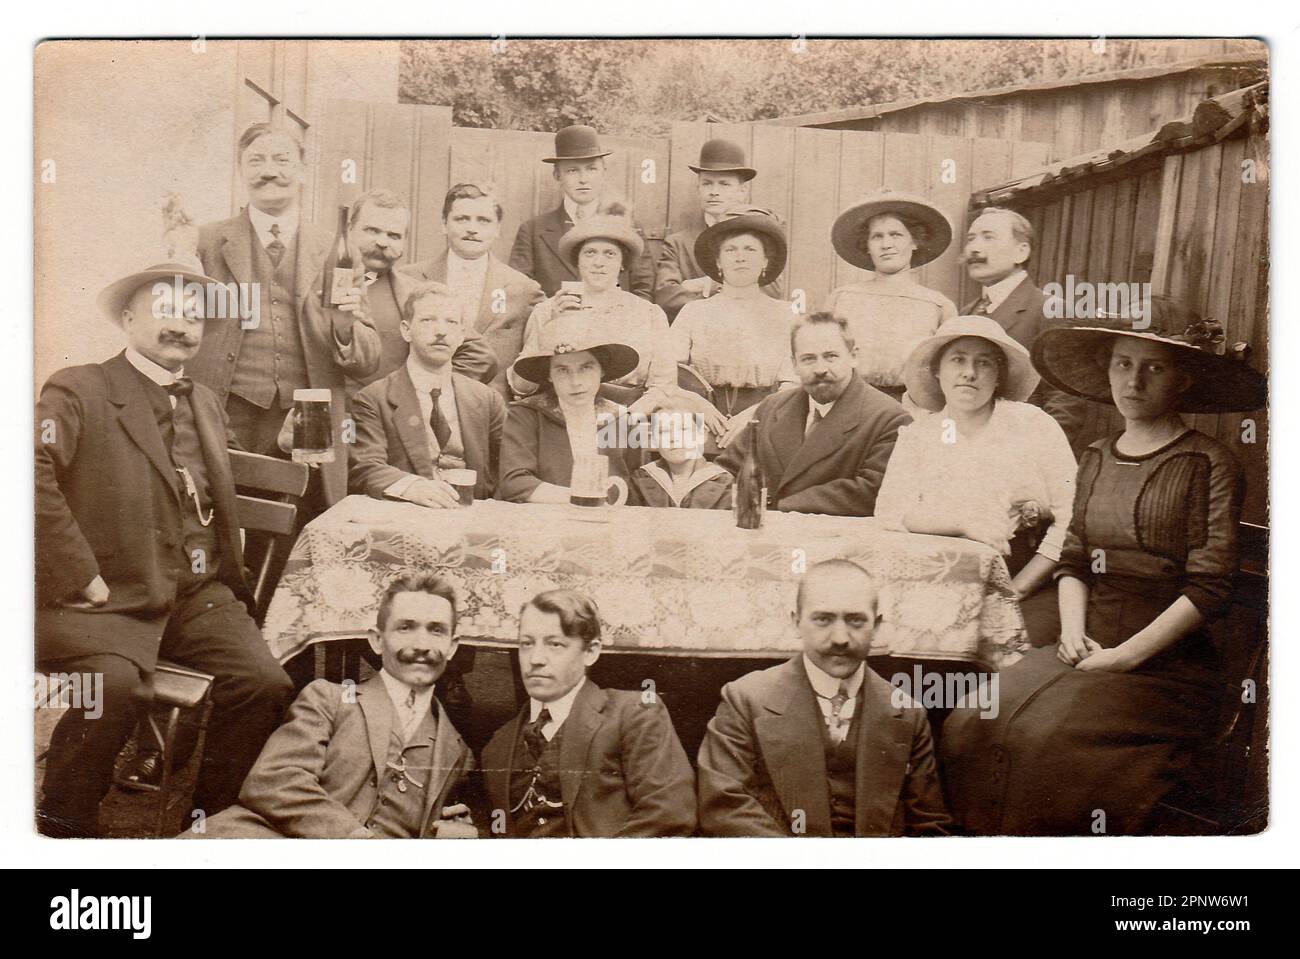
x,y
181,386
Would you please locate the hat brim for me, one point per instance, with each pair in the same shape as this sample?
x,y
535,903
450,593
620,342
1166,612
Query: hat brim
x,y
746,173
626,237
774,245
848,228
923,386
113,299
616,360
585,156
1067,358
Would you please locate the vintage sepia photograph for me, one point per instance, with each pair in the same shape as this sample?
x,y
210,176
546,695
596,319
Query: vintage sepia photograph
x,y
590,438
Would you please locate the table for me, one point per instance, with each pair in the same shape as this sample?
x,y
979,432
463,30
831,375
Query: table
x,y
667,581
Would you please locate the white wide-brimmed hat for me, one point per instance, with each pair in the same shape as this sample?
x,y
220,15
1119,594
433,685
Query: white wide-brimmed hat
x,y
114,297
923,385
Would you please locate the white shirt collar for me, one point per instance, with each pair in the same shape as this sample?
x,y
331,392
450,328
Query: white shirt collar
x,y
826,685
823,408
399,693
1000,290
456,262
161,376
425,379
590,209
559,709
262,223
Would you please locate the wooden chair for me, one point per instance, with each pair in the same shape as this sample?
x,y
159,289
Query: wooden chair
x,y
177,688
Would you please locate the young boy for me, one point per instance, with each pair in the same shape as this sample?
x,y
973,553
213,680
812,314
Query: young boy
x,y
680,476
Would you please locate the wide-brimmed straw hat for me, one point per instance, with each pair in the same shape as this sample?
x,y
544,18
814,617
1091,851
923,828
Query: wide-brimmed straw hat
x,y
724,156
1077,359
115,297
576,143
569,333
745,219
847,233
614,223
923,385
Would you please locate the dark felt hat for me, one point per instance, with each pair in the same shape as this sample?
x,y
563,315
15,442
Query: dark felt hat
x,y
723,156
846,234
576,143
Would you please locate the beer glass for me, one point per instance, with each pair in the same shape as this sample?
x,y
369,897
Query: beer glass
x,y
312,428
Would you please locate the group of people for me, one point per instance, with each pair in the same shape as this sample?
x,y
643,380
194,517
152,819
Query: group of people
x,y
888,402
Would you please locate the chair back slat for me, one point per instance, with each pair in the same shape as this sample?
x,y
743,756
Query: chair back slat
x,y
266,515
268,474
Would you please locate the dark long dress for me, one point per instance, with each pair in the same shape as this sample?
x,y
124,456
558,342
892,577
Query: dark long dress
x,y
1068,746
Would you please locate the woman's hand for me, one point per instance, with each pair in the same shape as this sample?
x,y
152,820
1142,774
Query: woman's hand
x,y
566,301
1074,648
1114,660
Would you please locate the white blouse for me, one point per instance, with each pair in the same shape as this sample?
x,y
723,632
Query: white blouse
x,y
1021,454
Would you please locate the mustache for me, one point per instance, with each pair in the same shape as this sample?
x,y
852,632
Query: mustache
x,y
409,656
973,258
181,339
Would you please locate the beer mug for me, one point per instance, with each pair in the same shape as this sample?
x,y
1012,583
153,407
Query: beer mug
x,y
462,481
591,483
312,428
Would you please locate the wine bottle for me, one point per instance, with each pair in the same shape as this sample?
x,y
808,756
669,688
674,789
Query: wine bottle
x,y
338,266
751,485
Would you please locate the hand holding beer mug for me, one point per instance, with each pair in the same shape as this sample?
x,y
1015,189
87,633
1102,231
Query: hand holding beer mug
x,y
569,297
462,481
591,484
313,441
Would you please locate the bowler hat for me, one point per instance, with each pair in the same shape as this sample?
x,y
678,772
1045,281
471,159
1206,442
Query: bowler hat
x,y
846,234
723,156
576,143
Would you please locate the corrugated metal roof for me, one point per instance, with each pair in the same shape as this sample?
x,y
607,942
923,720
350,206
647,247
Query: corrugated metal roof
x,y
1114,76
1212,121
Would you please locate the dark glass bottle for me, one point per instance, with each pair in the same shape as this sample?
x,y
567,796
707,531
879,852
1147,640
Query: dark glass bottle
x,y
338,266
751,485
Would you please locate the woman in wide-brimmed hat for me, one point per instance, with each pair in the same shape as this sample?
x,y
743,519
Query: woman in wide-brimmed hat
x,y
1109,718
890,233
978,461
570,363
599,247
739,340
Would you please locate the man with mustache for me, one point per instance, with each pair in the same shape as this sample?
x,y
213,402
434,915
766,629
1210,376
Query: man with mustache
x,y
138,553
425,418
821,745
376,761
579,168
580,760
998,245
497,299
378,224
823,448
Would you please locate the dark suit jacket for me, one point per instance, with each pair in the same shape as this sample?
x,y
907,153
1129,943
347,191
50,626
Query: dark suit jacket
x,y
317,776
226,249
109,503
392,440
536,253
623,771
763,757
838,468
502,333
677,263
1022,314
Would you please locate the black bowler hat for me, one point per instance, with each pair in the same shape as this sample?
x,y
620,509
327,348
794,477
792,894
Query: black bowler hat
x,y
723,156
576,143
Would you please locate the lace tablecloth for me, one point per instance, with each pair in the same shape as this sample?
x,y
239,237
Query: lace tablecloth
x,y
667,581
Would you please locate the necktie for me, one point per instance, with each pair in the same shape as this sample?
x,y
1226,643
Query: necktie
x,y
181,386
409,719
437,422
275,249
816,418
533,737
833,722
984,306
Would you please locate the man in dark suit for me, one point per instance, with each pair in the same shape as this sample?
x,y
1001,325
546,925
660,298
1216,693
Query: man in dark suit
x,y
580,760
378,222
579,168
723,183
425,418
821,745
497,298
823,448
998,244
381,761
138,551
255,365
